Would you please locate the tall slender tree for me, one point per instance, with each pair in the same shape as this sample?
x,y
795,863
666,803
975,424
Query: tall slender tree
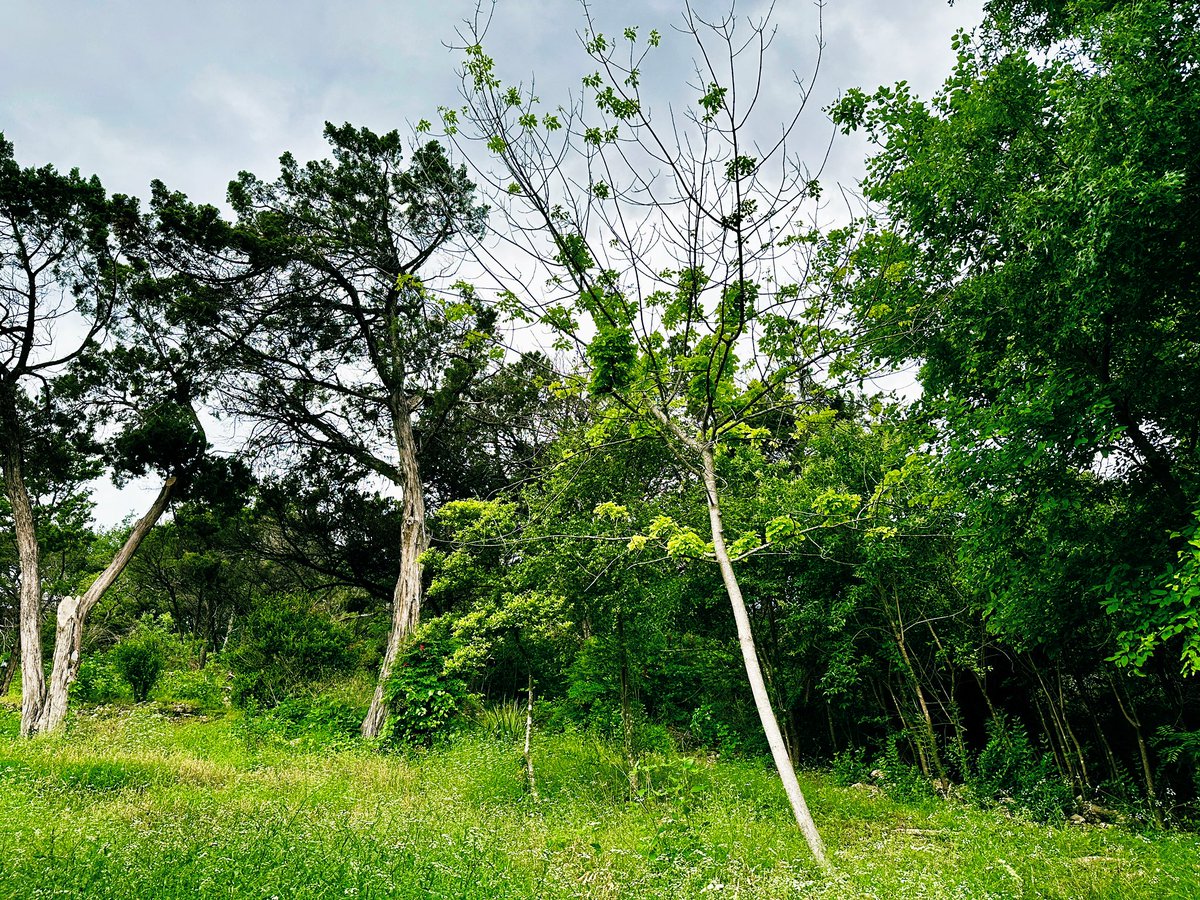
x,y
679,264
347,354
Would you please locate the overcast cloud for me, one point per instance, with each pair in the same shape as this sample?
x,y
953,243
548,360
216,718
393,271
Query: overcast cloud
x,y
193,92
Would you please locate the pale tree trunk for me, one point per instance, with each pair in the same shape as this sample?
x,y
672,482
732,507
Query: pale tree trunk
x,y
533,791
33,675
758,687
406,598
73,613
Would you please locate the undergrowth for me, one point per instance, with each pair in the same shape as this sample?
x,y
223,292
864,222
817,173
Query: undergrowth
x,y
129,804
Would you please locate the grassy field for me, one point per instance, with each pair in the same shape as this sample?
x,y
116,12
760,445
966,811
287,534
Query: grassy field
x,y
131,804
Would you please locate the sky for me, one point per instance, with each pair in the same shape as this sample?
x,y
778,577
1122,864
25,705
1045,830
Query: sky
x,y
192,92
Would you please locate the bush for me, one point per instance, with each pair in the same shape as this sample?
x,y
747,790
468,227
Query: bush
x,y
99,681
851,767
709,730
504,721
423,701
201,690
283,645
902,779
142,655
1010,769
323,716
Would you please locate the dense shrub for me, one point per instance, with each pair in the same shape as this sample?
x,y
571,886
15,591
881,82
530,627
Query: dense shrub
x,y
423,700
282,645
1010,769
99,681
322,716
200,690
141,656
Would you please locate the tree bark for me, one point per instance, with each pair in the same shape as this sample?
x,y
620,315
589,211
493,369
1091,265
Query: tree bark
x,y
930,736
33,674
73,613
758,688
414,541
1131,716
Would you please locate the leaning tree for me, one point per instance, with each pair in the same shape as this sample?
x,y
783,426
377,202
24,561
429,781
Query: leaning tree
x,y
97,370
677,250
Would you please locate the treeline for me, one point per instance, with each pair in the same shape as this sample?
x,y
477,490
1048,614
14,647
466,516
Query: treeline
x,y
679,514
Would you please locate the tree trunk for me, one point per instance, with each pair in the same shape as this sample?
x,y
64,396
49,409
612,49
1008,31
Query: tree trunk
x,y
10,667
911,733
33,674
1131,716
953,708
73,613
930,735
1062,704
414,541
1056,720
753,670
533,792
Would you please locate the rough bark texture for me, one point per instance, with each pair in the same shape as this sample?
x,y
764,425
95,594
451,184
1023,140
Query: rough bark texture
x,y
73,613
33,675
758,687
406,598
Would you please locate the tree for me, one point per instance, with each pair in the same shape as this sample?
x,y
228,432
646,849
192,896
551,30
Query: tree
x,y
90,342
347,355
1038,258
682,268
55,265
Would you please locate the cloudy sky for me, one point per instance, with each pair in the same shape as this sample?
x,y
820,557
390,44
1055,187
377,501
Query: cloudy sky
x,y
192,92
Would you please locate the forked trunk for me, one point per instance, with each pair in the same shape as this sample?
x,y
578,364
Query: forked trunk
x,y
73,613
758,687
406,598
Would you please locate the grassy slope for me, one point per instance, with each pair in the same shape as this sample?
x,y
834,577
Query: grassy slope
x,y
136,806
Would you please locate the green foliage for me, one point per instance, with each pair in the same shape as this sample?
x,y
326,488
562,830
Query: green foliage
x,y
322,719
192,690
901,778
709,730
99,681
1011,770
1165,612
851,767
504,721
141,656
1039,263
282,645
455,821
424,701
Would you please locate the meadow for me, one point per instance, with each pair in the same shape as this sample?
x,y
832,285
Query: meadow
x,y
131,803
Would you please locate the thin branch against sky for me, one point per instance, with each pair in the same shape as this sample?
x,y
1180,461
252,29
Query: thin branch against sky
x,y
193,94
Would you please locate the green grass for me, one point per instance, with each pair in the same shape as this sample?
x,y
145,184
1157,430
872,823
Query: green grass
x,y
129,804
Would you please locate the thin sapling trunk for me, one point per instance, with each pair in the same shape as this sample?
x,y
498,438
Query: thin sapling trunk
x,y
758,687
